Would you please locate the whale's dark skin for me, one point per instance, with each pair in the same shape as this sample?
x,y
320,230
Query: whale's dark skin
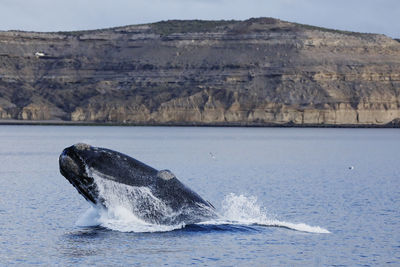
x,y
77,163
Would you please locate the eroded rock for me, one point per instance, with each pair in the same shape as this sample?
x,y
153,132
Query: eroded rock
x,y
255,72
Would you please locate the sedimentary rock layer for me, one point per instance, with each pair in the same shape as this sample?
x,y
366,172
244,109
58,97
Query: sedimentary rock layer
x,y
255,72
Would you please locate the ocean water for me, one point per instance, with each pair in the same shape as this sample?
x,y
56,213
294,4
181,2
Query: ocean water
x,y
286,196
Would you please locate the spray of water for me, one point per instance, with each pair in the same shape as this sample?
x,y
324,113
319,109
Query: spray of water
x,y
135,209
239,209
128,208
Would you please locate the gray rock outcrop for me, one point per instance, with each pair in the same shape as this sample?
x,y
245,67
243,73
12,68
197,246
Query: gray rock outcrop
x,y
254,72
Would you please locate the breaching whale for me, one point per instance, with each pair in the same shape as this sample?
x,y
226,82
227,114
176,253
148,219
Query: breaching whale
x,y
101,175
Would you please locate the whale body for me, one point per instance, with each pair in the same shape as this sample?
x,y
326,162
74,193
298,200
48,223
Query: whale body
x,y
105,178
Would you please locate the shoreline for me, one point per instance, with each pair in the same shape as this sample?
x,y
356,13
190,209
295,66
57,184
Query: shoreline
x,y
193,124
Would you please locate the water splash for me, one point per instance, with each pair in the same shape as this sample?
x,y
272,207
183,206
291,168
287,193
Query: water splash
x,y
239,209
136,209
123,201
236,210
120,219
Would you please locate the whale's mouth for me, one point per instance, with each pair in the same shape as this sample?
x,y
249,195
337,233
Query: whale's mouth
x,y
73,168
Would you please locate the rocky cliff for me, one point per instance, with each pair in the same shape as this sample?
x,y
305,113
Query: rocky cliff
x,y
254,72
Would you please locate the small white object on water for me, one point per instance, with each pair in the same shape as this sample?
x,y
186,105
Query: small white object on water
x,y
40,54
212,155
351,168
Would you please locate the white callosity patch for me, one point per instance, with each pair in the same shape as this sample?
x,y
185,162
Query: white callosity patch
x,y
69,164
166,175
82,146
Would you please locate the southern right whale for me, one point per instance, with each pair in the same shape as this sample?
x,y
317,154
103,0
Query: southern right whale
x,y
154,196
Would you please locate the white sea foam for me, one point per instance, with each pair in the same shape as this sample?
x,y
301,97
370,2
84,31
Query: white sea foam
x,y
120,219
91,217
127,206
239,209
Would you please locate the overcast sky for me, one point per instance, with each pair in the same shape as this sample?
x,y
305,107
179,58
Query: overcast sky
x,y
376,16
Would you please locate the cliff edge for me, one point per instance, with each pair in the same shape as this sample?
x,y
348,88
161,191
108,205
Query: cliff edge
x,y
256,72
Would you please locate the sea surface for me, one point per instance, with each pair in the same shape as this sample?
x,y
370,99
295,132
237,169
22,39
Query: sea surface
x,y
286,196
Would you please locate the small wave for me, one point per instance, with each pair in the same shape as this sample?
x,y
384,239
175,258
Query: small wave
x,y
301,227
237,211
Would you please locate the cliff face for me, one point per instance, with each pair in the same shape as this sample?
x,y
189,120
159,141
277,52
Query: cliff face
x,y
254,72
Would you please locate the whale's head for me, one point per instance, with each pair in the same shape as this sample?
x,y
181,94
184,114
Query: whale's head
x,y
74,167
82,163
